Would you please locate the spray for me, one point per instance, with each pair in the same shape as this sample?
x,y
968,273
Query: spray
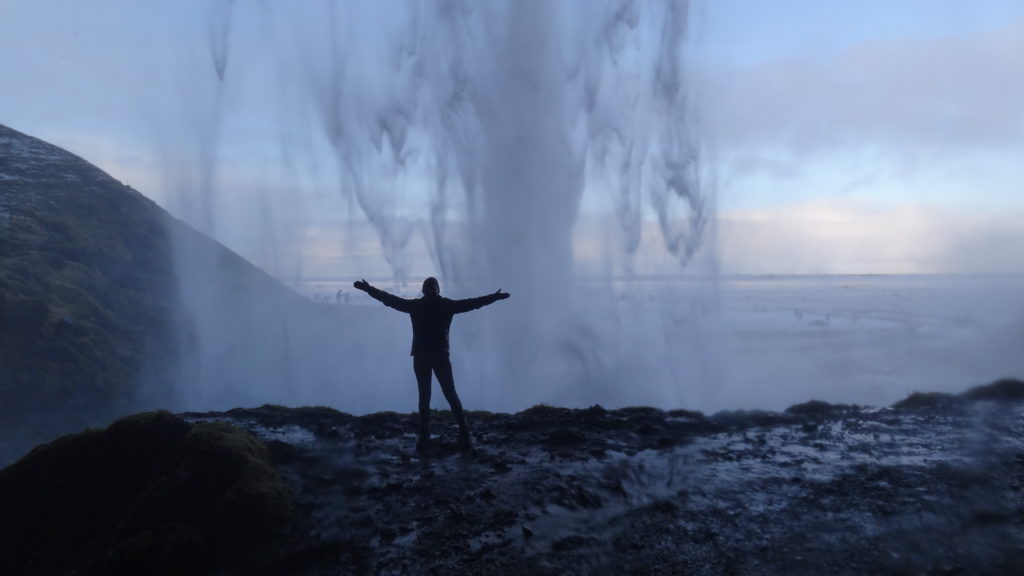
x,y
481,130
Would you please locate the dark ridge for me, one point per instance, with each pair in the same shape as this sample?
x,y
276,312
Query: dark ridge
x,y
544,411
735,419
688,414
640,412
818,408
1004,390
924,400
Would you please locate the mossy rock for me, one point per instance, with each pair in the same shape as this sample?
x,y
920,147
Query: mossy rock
x,y
151,494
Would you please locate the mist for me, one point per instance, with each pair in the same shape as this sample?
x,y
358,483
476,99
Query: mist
x,y
770,251
559,154
468,140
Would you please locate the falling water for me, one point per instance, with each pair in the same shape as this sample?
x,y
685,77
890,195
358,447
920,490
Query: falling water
x,y
483,131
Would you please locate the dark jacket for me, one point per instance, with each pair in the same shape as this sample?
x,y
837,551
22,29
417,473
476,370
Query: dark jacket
x,y
431,317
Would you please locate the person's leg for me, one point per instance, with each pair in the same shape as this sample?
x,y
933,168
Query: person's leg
x,y
443,370
422,369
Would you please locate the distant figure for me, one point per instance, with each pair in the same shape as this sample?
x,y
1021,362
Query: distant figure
x,y
431,318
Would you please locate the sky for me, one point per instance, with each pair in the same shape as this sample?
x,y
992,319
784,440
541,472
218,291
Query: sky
x,y
842,137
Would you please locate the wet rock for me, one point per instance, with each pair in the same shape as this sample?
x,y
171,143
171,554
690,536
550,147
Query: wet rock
x,y
575,496
283,451
563,438
573,542
818,489
387,535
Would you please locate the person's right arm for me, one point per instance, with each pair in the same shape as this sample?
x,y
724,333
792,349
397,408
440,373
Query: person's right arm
x,y
389,300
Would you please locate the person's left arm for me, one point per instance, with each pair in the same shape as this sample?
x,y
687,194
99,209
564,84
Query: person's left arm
x,y
467,304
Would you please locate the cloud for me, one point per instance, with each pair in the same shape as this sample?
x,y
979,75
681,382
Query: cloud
x,y
912,97
856,237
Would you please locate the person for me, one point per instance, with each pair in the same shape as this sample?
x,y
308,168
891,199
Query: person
x,y
431,318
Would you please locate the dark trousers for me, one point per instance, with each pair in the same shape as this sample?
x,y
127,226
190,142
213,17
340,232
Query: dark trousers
x,y
441,366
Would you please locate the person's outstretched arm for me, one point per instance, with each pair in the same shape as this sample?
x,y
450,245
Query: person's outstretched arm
x,y
460,306
389,300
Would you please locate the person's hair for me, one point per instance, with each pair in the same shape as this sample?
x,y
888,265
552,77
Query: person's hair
x,y
431,287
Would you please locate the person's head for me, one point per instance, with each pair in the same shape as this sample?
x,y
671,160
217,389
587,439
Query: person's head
x,y
431,289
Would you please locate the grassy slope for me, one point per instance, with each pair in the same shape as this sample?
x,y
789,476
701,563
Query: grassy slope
x,y
87,291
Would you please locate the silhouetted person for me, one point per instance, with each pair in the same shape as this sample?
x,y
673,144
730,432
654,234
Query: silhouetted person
x,y
431,318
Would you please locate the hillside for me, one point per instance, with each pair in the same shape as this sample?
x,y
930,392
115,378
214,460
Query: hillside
x,y
90,323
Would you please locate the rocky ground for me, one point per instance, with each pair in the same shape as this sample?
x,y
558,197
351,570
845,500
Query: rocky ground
x,y
931,485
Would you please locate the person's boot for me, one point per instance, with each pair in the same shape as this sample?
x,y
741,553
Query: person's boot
x,y
465,444
423,445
